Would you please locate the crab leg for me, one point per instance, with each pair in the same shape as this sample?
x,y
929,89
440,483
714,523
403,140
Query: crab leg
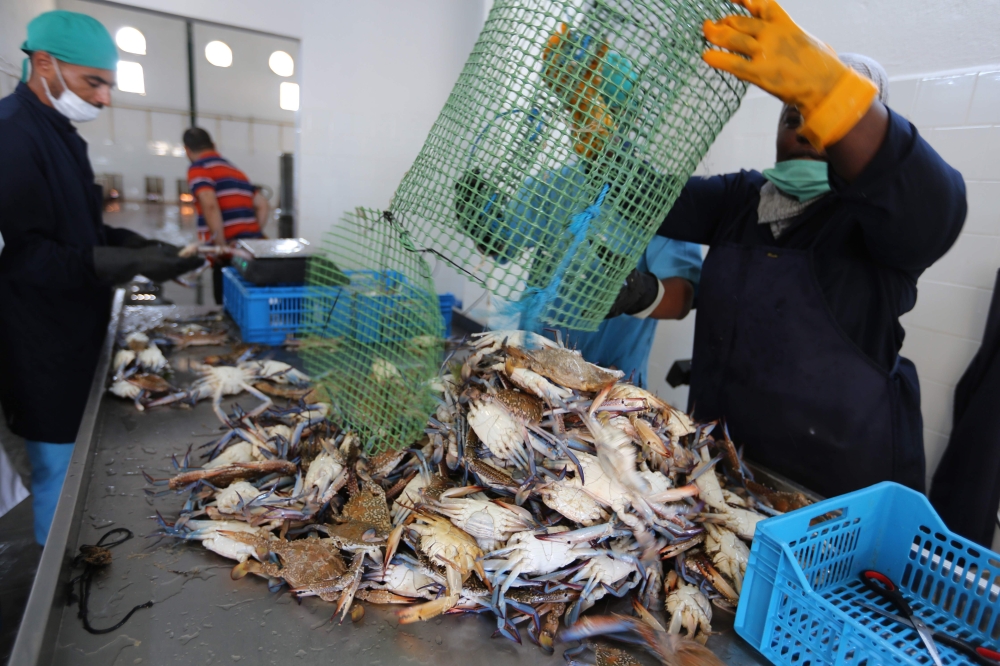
x,y
347,596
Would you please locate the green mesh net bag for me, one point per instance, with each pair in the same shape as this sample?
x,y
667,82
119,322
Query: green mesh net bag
x,y
569,134
372,336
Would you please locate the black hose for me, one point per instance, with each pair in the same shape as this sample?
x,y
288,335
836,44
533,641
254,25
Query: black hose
x,y
93,558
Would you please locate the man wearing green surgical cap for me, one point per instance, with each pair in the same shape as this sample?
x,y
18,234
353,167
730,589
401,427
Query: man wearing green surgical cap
x,y
59,260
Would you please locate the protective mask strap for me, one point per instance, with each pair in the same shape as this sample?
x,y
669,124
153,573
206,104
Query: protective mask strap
x,y
62,81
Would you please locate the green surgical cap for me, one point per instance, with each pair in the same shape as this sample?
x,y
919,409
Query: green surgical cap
x,y
71,37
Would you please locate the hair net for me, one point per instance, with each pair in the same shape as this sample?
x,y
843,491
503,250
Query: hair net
x,y
871,70
71,37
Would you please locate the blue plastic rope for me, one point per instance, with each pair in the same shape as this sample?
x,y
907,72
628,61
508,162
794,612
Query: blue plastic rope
x,y
536,301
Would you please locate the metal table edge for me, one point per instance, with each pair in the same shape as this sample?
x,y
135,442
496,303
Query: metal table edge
x,y
40,622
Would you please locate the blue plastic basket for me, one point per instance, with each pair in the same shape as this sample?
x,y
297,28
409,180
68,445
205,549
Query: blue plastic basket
x,y
447,302
269,314
264,314
800,599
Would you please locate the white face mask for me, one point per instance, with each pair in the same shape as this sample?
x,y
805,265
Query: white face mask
x,y
69,103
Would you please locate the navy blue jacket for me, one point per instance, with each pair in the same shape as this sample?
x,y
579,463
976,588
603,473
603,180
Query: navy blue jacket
x,y
869,240
53,310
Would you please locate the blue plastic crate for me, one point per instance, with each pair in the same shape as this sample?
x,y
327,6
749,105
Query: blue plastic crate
x,y
362,312
800,599
447,302
264,314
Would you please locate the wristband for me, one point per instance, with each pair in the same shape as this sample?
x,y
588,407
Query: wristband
x,y
840,111
660,291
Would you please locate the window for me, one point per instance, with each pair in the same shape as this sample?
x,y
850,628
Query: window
x,y
130,77
219,54
131,40
281,63
288,96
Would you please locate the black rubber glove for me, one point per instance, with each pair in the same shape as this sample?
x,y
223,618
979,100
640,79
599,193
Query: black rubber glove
x,y
639,292
115,265
120,237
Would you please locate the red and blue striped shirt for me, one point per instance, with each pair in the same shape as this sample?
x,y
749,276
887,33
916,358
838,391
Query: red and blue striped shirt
x,y
232,189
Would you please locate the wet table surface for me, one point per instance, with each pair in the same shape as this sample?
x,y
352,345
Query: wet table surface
x,y
201,616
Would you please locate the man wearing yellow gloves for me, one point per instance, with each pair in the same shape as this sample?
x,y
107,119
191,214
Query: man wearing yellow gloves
x,y
812,263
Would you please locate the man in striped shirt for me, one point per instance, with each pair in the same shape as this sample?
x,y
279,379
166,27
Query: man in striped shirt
x,y
228,207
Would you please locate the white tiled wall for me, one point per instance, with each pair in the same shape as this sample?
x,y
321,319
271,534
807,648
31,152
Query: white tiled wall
x,y
959,115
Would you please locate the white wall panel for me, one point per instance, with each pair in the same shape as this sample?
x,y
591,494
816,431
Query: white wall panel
x,y
168,128
266,140
943,101
14,18
165,63
951,309
984,207
248,88
939,353
971,262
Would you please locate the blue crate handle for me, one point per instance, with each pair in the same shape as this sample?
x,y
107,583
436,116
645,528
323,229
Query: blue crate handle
x,y
801,518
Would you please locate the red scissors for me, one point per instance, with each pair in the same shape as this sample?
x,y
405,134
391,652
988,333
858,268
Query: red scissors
x,y
880,584
979,654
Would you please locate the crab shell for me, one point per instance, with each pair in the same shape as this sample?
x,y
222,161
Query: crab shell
x,y
240,452
573,503
124,389
710,491
152,359
606,571
402,580
536,384
123,357
728,552
489,523
322,472
496,428
742,522
534,556
519,339
445,544
564,367
305,563
689,609
229,499
409,497
220,544
599,484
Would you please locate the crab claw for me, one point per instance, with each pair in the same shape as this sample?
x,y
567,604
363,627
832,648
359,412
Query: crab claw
x,y
243,568
462,492
391,544
603,625
644,615
347,596
426,611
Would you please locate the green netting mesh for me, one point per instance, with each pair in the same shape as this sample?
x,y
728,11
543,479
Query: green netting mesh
x,y
373,330
561,106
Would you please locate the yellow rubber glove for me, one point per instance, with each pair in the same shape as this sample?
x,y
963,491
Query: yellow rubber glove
x,y
793,66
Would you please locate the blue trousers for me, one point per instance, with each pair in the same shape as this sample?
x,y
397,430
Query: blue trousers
x,y
49,463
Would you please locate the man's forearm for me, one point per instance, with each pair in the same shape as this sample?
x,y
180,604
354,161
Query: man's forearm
x,y
678,298
213,217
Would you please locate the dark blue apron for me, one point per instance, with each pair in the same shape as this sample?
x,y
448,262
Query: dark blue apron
x,y
770,359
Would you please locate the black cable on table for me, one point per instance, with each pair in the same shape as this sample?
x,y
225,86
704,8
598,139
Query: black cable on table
x,y
93,558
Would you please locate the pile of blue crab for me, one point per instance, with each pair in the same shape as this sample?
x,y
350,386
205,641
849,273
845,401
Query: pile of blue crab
x,y
543,485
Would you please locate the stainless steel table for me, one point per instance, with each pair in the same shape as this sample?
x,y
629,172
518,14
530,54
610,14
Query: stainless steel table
x,y
199,615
